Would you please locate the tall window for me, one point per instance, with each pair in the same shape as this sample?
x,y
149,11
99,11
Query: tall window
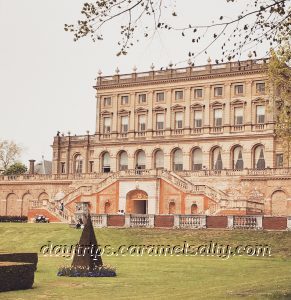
x,y
260,87
238,89
259,158
178,95
63,167
107,125
238,116
178,160
124,100
124,124
217,159
198,93
141,122
160,121
279,160
238,163
217,117
260,114
140,160
91,166
160,96
123,161
106,162
142,98
197,118
197,159
179,120
218,91
78,164
159,159
107,101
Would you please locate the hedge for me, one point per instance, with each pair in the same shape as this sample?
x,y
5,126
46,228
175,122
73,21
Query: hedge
x,y
19,219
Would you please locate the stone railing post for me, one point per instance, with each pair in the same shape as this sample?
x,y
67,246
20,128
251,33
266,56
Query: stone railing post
x,y
104,220
176,221
289,223
127,220
203,222
230,222
259,222
151,221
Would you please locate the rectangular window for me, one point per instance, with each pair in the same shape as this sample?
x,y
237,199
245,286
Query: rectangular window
x,y
124,124
63,168
260,87
141,123
107,125
238,116
218,91
142,98
91,166
107,101
160,121
124,100
279,160
260,114
160,97
179,120
198,93
218,117
178,95
238,89
197,118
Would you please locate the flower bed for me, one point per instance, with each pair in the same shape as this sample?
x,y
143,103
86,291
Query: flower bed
x,y
102,271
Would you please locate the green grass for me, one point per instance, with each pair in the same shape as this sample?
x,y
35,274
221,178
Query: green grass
x,y
147,277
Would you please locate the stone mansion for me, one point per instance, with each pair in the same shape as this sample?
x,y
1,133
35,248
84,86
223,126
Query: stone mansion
x,y
191,141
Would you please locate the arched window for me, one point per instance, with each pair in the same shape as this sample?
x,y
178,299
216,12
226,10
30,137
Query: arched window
x,y
172,207
238,163
178,160
216,159
106,162
78,164
194,209
159,159
140,160
259,158
123,161
197,159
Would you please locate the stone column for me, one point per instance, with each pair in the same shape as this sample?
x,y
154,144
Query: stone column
x,y
150,114
248,113
187,110
168,112
132,116
114,116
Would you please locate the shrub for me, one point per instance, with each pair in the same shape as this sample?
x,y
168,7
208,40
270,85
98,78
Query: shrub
x,y
101,271
20,219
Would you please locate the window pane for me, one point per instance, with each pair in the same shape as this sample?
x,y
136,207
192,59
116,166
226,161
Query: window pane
x,y
160,97
178,95
218,113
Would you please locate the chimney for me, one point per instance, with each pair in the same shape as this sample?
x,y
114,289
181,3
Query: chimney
x,y
31,166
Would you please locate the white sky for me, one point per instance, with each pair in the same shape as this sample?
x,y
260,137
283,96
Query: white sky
x,y
46,79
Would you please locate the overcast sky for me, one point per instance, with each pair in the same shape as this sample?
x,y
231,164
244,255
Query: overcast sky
x,y
46,79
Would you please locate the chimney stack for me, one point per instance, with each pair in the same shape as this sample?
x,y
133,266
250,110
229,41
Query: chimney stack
x,y
31,166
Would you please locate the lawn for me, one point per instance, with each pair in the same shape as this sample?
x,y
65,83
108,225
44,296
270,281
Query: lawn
x,y
150,277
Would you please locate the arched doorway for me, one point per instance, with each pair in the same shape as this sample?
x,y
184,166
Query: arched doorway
x,y
194,209
107,207
259,162
172,208
137,202
279,203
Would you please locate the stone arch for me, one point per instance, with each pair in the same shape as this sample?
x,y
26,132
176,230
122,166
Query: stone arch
x,y
158,159
78,162
13,206
137,202
194,209
122,160
236,156
42,200
196,159
258,157
26,200
107,207
215,158
140,159
177,159
279,203
105,162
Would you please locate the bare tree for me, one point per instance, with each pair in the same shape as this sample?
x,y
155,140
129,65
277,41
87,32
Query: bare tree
x,y
9,153
261,20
